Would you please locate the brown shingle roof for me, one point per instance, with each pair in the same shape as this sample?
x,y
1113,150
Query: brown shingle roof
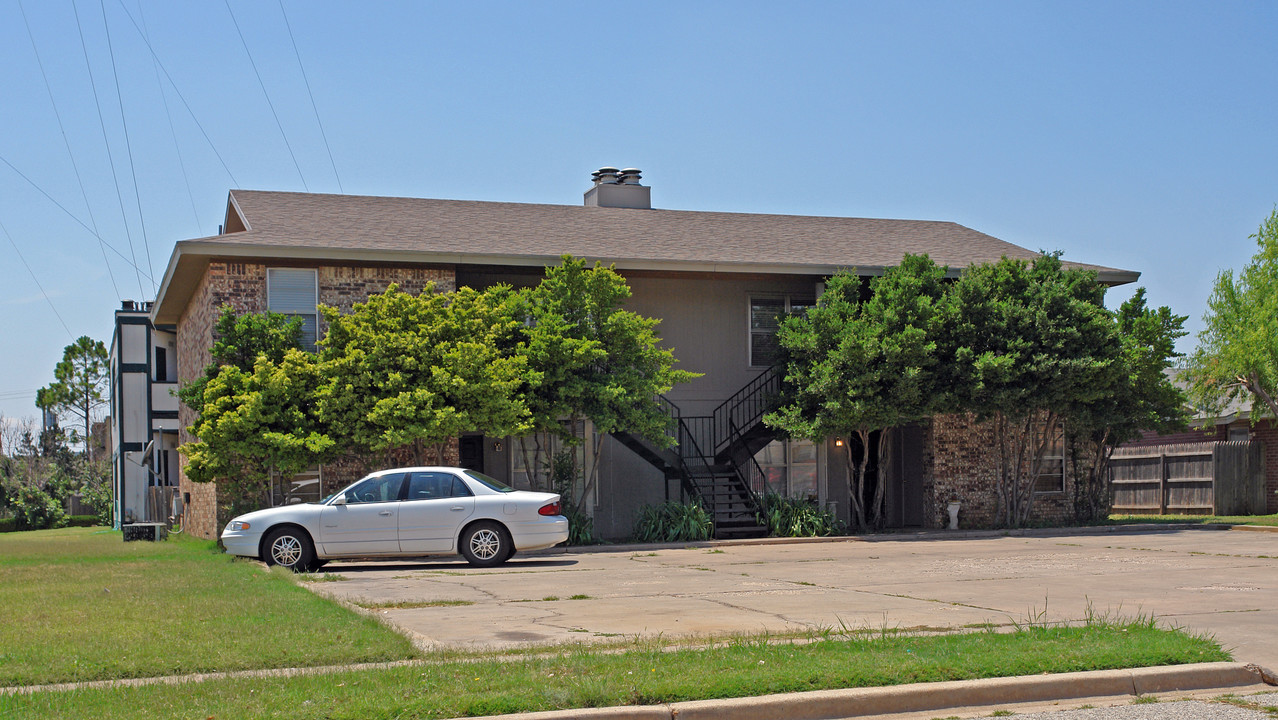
x,y
285,225
302,220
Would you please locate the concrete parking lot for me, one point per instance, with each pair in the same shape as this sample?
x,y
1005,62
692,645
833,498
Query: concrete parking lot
x,y
1220,582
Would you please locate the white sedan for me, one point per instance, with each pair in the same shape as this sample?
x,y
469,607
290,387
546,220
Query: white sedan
x,y
406,512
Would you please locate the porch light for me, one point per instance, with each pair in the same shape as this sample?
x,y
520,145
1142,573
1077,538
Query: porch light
x,y
838,442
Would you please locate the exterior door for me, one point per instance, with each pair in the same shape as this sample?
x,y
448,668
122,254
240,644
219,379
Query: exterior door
x,y
368,524
432,513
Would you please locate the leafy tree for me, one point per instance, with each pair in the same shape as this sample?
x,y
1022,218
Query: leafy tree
x,y
240,339
79,390
1033,344
1237,355
255,422
1139,396
593,359
855,367
418,370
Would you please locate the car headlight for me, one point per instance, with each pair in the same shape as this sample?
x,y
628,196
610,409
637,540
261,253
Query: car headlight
x,y
237,525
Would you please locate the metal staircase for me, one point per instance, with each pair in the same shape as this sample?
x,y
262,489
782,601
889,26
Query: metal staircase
x,y
712,451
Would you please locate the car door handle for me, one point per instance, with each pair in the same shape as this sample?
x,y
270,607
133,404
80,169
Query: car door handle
x,y
386,512
457,508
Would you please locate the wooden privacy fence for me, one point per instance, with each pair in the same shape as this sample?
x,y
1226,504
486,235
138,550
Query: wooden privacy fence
x,y
1208,478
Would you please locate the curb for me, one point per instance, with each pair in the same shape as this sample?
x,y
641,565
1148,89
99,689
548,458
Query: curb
x,y
888,537
937,696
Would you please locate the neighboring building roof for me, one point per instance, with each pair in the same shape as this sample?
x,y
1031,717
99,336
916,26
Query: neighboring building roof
x,y
381,229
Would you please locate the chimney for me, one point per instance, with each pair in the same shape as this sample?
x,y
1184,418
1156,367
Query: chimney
x,y
618,189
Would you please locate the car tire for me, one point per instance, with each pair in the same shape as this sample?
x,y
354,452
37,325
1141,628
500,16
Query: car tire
x,y
486,544
288,547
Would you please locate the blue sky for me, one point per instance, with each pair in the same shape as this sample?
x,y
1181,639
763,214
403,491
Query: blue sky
x,y
1138,135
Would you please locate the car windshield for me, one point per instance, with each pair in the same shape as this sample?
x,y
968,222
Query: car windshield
x,y
497,485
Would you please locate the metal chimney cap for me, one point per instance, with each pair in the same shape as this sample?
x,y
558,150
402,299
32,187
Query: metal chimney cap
x,y
606,171
631,171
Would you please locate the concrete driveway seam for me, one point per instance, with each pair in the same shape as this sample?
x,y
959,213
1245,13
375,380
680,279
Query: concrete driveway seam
x,y
937,696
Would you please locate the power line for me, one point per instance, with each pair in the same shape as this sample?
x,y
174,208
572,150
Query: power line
x,y
128,146
107,143
168,113
70,214
37,281
181,97
62,128
267,95
312,96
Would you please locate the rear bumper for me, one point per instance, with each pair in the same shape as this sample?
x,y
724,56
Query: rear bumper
x,y
540,534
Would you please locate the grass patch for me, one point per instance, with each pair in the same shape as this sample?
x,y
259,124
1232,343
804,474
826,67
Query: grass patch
x,y
410,604
81,604
1268,520
639,672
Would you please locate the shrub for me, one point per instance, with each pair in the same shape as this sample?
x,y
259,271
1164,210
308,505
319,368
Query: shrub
x,y
673,522
8,525
796,517
84,521
34,509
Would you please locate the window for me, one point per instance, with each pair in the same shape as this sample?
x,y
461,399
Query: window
x,y
383,488
433,485
293,292
161,365
303,487
1051,473
766,314
789,468
1239,434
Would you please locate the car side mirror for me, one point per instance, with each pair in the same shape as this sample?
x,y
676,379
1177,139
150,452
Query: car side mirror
x,y
339,500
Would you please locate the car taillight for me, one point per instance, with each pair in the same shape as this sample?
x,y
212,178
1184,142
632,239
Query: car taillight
x,y
549,509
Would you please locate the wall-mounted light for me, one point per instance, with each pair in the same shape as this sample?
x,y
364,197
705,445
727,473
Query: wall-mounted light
x,y
496,446
838,442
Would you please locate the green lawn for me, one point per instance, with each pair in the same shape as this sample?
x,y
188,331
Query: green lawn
x,y
1270,520
81,604
84,605
640,674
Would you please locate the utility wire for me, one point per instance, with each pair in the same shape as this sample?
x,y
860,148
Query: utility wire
x,y
71,215
267,95
37,281
168,113
312,96
128,146
181,97
62,128
107,143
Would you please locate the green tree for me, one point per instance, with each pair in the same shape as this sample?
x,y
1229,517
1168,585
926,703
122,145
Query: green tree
x,y
1237,354
257,422
240,340
1140,396
594,360
80,386
855,367
414,371
1033,343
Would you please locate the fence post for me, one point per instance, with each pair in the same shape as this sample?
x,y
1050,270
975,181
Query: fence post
x,y
1162,483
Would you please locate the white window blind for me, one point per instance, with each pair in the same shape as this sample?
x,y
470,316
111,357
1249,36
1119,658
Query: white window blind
x,y
293,292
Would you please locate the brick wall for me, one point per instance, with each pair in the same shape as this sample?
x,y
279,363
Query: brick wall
x,y
243,286
962,465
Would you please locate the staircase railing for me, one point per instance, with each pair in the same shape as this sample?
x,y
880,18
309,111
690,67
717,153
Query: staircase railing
x,y
745,408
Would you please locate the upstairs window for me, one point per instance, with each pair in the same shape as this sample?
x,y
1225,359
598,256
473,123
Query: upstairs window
x,y
293,292
766,314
